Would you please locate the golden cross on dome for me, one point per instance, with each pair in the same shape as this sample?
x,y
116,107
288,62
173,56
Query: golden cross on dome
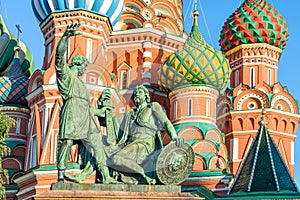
x,y
19,31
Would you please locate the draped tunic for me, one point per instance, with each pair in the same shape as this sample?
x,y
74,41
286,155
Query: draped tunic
x,y
76,119
139,128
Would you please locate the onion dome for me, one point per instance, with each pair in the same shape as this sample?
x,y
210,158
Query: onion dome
x,y
8,43
255,21
195,63
16,66
112,9
14,84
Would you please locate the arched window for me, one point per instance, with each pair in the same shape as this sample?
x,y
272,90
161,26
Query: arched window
x,y
49,51
18,125
89,49
252,123
269,76
207,108
175,110
124,78
190,107
33,160
252,77
237,78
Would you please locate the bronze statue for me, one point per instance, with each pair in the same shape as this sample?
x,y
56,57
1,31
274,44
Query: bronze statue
x,y
145,123
136,134
76,122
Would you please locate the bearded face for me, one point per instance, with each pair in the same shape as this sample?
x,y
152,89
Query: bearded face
x,y
78,69
139,97
79,64
81,70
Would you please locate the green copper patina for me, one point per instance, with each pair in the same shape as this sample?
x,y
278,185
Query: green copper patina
x,y
76,115
138,145
142,126
8,44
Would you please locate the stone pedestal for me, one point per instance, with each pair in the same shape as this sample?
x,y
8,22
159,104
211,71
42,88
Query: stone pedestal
x,y
64,191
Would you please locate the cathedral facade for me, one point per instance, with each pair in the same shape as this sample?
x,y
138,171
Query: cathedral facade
x,y
213,98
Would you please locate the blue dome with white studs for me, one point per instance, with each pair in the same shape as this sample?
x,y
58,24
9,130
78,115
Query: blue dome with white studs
x,y
112,8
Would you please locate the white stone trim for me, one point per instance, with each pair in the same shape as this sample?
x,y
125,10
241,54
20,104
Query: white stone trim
x,y
147,65
147,44
147,54
234,149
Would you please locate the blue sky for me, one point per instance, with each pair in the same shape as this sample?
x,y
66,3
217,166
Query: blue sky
x,y
215,13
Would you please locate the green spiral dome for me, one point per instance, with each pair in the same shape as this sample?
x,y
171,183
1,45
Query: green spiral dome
x,y
195,63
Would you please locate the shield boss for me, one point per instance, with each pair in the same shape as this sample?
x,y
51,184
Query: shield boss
x,y
174,164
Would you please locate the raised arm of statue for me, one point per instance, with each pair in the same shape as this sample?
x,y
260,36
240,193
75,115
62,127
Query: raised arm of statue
x,y
71,30
62,71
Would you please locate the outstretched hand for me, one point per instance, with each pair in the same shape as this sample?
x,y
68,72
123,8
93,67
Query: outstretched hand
x,y
72,30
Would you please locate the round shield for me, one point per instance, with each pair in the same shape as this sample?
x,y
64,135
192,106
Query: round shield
x,y
174,164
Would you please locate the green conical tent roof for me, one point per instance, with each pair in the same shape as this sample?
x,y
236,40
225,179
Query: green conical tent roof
x,y
263,170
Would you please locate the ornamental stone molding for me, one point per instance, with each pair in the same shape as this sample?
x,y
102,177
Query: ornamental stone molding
x,y
194,88
257,94
281,97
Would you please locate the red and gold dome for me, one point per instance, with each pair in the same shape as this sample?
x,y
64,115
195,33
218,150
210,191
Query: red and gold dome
x,y
255,21
196,63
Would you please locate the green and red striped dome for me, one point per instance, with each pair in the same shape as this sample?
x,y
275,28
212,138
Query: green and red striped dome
x,y
255,21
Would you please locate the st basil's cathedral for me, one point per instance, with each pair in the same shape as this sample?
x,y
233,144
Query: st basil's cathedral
x,y
228,104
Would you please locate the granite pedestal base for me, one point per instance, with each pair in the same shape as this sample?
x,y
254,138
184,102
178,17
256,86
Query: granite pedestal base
x,y
64,191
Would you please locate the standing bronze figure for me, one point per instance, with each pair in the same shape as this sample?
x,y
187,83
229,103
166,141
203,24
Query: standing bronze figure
x,y
76,122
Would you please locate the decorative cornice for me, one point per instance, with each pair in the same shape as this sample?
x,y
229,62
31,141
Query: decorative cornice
x,y
149,30
14,108
207,120
194,88
76,13
252,46
269,110
247,132
34,93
